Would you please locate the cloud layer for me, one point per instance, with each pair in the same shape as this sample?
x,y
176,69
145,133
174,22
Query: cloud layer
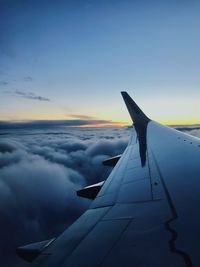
x,y
40,171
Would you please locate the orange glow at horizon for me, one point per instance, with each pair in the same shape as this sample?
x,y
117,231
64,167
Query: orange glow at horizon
x,y
112,123
130,123
165,110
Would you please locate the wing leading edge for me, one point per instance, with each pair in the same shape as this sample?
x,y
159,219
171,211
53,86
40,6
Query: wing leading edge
x,y
145,213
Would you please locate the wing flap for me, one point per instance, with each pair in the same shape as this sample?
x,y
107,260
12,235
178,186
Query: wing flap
x,y
111,161
32,251
90,191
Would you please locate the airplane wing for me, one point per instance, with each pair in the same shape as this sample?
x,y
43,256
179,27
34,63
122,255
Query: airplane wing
x,y
144,215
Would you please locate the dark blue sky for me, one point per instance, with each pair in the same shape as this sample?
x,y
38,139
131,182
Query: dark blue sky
x,y
78,55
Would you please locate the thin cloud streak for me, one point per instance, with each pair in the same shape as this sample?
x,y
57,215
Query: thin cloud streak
x,y
28,79
27,95
3,83
82,117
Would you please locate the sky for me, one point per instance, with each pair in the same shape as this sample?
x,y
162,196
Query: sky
x,y
69,60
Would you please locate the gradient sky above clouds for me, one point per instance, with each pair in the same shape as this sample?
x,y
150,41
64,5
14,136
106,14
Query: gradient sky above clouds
x,y
63,59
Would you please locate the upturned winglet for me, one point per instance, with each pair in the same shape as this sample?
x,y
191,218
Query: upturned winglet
x,y
137,115
140,122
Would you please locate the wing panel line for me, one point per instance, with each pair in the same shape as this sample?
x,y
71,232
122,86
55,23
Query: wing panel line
x,y
174,234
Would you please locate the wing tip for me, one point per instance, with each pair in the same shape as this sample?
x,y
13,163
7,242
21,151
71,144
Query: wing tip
x,y
137,115
123,93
